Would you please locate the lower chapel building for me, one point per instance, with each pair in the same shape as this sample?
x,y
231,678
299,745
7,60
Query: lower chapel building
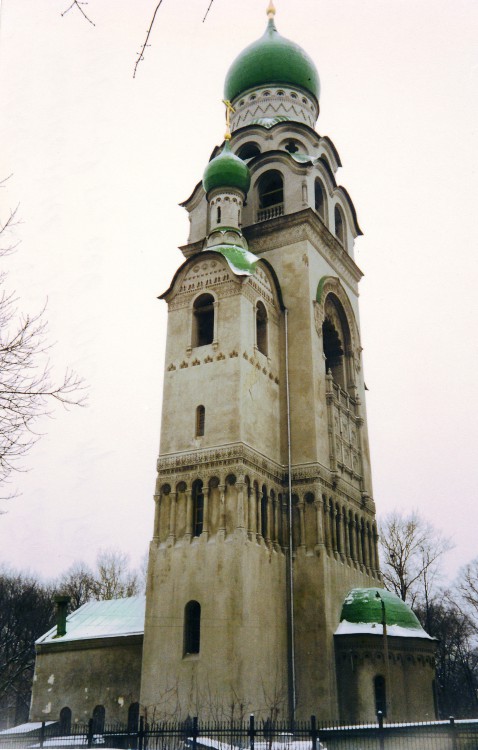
x,y
264,450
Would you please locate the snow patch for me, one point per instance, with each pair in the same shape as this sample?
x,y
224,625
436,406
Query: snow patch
x,y
374,628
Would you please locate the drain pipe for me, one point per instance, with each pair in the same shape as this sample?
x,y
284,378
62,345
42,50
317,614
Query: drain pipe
x,y
290,568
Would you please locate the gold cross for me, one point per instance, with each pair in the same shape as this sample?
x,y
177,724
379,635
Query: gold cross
x,y
229,109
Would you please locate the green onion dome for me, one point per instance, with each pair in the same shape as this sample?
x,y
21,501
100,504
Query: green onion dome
x,y
365,606
272,59
226,170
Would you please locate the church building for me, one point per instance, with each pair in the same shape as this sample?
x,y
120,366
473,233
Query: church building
x,y
264,592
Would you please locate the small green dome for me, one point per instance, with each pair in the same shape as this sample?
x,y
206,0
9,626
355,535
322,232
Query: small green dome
x,y
364,606
272,59
226,170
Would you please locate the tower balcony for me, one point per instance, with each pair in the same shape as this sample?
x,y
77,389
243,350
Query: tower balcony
x,y
270,213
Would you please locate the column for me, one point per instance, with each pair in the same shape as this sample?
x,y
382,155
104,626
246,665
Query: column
x,y
172,517
189,516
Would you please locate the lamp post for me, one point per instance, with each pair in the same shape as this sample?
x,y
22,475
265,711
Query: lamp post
x,y
388,682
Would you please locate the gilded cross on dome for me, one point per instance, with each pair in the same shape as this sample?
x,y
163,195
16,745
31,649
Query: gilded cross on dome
x,y
229,110
271,11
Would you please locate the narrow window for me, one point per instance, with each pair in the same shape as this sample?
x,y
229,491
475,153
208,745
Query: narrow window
x,y
380,694
99,719
271,189
192,627
334,352
203,320
65,720
200,420
133,717
219,214
319,199
339,225
261,328
198,507
264,512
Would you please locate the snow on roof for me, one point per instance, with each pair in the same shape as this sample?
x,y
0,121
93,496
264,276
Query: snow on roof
x,y
374,628
30,726
105,619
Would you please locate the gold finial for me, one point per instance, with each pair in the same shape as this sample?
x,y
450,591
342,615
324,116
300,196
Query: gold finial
x,y
271,11
229,109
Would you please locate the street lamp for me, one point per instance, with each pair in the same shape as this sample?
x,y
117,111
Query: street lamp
x,y
388,682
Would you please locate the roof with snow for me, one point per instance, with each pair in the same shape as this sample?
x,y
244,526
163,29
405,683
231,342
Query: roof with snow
x,y
106,619
363,610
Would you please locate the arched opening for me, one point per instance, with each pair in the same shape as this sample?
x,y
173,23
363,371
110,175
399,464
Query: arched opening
x,y
200,420
248,150
192,628
319,198
198,507
261,328
380,694
264,512
203,320
336,343
218,217
133,717
271,195
98,719
339,222
65,720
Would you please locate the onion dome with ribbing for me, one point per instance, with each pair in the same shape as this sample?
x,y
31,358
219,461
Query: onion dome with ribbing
x,y
271,60
226,170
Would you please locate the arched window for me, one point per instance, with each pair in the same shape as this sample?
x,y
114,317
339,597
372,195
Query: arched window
x,y
261,328
271,189
264,511
200,420
133,717
192,628
336,341
65,720
203,320
380,694
198,507
99,719
319,199
248,150
339,222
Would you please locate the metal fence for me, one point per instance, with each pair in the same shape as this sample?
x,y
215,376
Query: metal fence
x,y
252,735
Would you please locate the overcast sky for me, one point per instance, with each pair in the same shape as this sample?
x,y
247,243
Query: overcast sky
x,y
100,162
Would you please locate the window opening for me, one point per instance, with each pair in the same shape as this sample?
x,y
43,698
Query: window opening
x,y
380,694
200,420
198,507
248,151
339,225
292,147
98,719
133,717
65,720
271,189
192,627
261,328
203,319
319,199
264,512
334,353
219,214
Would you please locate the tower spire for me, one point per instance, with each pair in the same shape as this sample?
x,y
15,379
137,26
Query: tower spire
x,y
229,110
271,11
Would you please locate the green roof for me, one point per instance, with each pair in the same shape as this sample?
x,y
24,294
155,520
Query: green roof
x,y
226,170
364,606
241,261
272,59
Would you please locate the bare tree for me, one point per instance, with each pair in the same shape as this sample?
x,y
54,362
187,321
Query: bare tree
x,y
467,587
114,579
411,551
79,583
27,384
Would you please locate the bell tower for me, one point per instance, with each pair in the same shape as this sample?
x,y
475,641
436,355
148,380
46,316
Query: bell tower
x,y
264,512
